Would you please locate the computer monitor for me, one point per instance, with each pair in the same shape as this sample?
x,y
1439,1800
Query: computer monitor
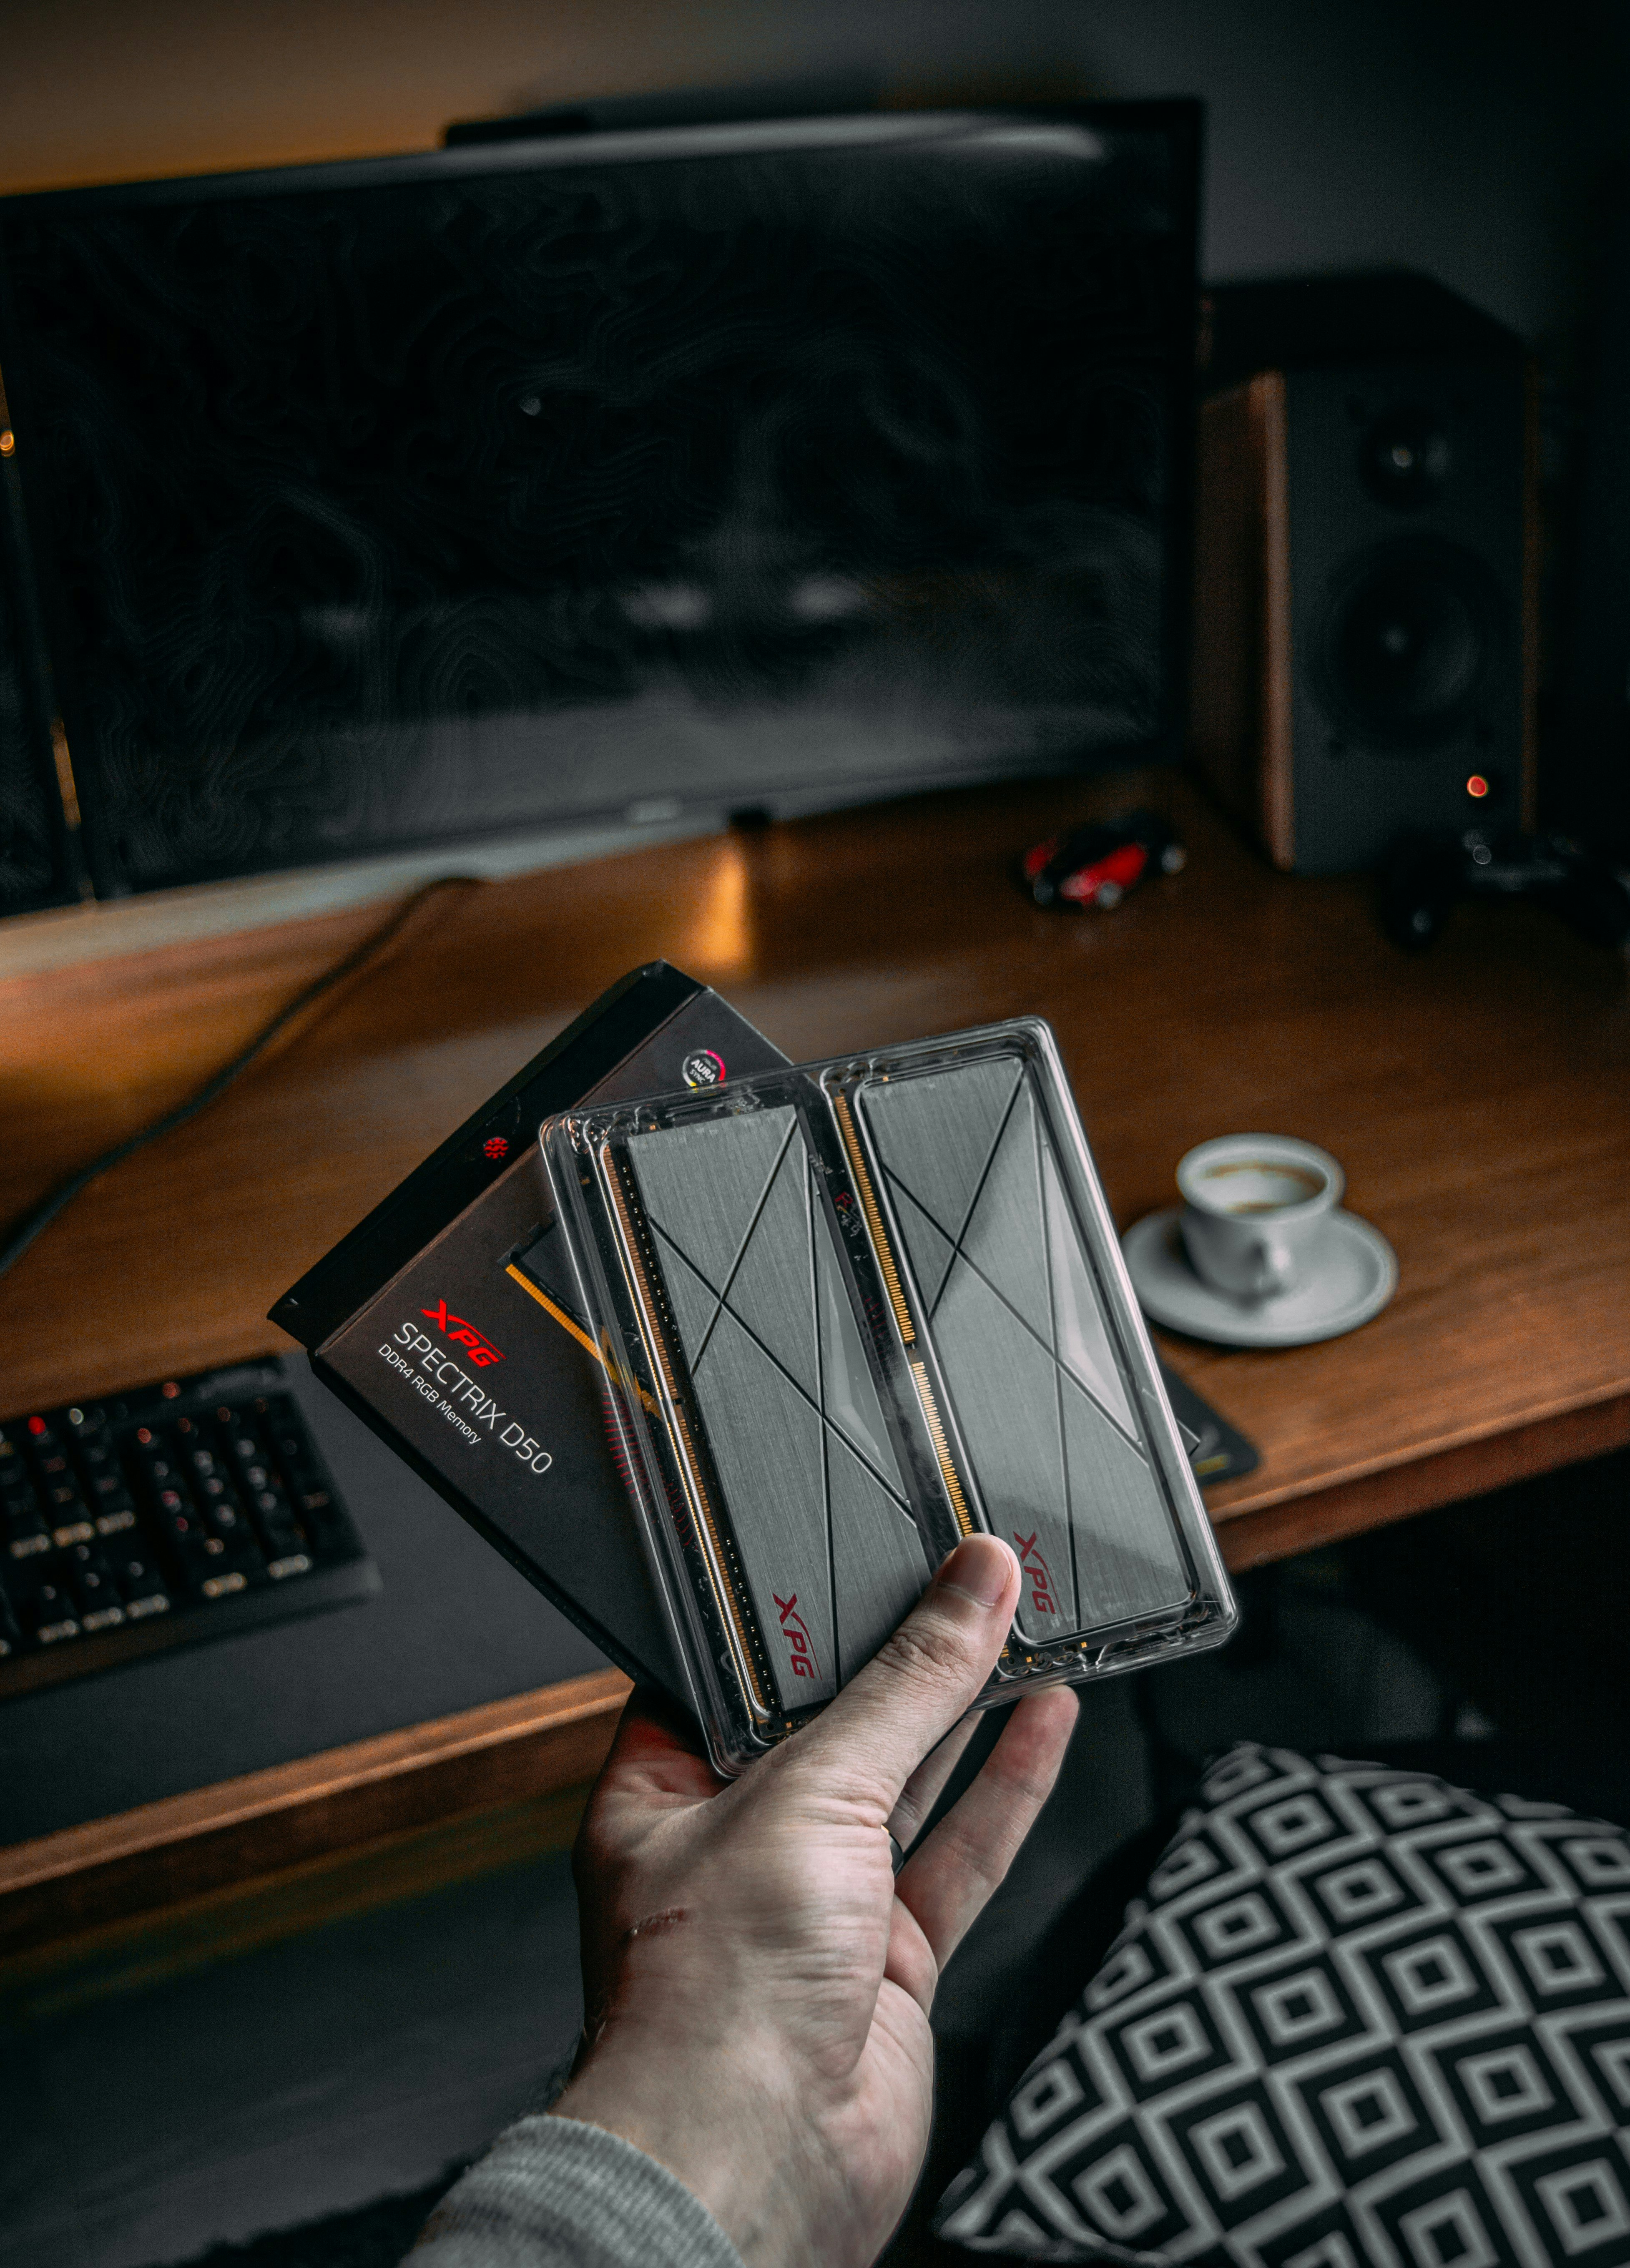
x,y
37,865
627,476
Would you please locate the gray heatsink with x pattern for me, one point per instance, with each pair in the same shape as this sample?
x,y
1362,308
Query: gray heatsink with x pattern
x,y
1058,1454
813,1493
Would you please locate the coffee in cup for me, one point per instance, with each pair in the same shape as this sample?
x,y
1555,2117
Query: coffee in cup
x,y
1256,1208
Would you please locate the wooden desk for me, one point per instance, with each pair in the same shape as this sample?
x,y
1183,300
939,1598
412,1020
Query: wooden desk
x,y
1479,1097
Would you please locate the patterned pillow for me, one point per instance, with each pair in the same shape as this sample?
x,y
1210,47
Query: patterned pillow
x,y
1358,2015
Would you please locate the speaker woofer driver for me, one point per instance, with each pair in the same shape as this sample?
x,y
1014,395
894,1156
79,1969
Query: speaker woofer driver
x,y
1406,643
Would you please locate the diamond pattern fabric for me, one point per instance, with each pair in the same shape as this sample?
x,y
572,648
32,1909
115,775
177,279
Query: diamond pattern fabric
x,y
1357,2016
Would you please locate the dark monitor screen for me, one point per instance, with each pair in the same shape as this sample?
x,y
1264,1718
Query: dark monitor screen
x,y
37,867
626,477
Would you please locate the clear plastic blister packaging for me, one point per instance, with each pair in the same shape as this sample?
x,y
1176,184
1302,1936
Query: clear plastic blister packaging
x,y
853,1312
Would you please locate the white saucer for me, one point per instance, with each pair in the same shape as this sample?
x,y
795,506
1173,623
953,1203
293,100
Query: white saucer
x,y
1355,1276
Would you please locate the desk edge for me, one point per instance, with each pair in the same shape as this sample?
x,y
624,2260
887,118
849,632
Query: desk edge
x,y
531,1744
556,1736
1287,1525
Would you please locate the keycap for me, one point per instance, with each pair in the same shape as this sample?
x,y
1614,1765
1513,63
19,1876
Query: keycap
x,y
141,1585
181,1530
283,1533
95,1591
49,1615
114,1510
26,1534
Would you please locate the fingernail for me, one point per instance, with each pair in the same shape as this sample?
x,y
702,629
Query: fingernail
x,y
979,1568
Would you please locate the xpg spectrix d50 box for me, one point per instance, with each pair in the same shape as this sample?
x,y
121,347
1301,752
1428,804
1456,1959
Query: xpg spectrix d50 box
x,y
447,1320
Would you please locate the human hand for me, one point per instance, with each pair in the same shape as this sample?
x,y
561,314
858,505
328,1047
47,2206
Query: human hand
x,y
757,1980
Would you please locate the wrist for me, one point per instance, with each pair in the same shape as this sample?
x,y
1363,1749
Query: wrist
x,y
729,2127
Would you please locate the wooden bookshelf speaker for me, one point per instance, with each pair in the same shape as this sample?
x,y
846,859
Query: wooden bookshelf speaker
x,y
1364,619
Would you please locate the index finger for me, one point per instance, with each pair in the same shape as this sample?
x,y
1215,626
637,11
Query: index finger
x,y
865,1744
655,1750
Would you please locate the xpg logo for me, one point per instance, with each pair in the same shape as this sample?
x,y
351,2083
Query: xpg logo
x,y
703,1068
1034,1566
796,1632
458,1333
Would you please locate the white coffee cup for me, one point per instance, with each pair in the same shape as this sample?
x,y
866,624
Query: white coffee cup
x,y
1256,1209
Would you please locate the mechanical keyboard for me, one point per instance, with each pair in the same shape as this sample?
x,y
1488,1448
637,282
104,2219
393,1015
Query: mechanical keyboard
x,y
183,1510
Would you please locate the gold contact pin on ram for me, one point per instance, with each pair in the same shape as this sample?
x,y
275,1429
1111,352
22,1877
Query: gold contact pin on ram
x,y
708,1527
875,1219
942,1446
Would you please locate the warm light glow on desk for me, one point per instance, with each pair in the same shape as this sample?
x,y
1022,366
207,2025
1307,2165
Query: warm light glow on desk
x,y
720,941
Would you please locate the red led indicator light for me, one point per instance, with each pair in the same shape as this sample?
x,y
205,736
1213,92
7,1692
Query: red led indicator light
x,y
36,1425
496,1146
169,1389
1477,785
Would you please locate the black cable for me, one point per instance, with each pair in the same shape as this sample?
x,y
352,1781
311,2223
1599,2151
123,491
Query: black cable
x,y
39,1218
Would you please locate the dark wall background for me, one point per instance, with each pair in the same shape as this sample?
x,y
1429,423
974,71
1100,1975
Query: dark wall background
x,y
1471,138
1461,137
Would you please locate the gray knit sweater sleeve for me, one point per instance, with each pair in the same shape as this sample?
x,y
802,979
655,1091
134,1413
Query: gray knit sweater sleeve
x,y
554,2193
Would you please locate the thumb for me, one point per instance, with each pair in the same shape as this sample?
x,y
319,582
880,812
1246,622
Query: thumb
x,y
922,1680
